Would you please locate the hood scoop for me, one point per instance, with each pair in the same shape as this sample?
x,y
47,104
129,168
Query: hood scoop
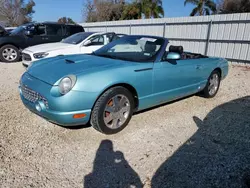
x,y
68,61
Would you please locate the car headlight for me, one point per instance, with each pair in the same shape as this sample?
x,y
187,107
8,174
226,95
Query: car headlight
x,y
40,55
66,84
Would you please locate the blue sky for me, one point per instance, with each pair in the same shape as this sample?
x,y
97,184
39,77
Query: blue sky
x,y
51,10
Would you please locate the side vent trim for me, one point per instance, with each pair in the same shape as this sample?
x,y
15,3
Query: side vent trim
x,y
146,69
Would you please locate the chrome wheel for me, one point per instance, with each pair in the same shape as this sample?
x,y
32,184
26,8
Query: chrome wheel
x,y
9,54
116,111
213,84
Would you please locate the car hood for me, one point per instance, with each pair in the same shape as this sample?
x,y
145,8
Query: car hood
x,y
3,32
48,47
51,70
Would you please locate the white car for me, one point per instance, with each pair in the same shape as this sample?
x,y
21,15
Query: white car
x,y
79,43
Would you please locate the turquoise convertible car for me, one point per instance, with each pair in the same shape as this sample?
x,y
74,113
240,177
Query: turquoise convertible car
x,y
106,87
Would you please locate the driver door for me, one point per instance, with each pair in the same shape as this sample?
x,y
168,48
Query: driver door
x,y
96,42
174,79
38,36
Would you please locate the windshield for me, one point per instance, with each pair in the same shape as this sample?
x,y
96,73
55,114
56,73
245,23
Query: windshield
x,y
76,38
20,30
132,48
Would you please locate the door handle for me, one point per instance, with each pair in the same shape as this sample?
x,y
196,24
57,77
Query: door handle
x,y
45,38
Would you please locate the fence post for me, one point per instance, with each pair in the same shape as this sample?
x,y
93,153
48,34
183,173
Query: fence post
x,y
130,28
106,27
208,36
164,29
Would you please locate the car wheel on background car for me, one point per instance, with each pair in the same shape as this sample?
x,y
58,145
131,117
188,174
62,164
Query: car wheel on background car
x,y
113,110
213,84
9,53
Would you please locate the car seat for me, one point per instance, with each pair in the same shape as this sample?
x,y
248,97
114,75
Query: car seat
x,y
150,47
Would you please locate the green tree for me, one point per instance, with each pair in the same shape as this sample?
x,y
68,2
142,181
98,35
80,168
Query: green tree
x,y
131,12
202,7
234,6
65,20
152,8
109,10
143,9
103,10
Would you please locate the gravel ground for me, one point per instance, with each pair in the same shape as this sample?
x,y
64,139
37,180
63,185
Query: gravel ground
x,y
194,142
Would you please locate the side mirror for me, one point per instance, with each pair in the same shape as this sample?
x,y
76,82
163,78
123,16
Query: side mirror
x,y
28,33
173,56
87,43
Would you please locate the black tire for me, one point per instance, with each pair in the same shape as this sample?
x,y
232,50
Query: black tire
x,y
8,46
206,92
97,119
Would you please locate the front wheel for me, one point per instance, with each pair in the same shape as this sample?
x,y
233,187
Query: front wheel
x,y
9,54
113,110
213,84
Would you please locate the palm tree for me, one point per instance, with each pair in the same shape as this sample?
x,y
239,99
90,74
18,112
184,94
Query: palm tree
x,y
152,8
203,7
143,9
131,11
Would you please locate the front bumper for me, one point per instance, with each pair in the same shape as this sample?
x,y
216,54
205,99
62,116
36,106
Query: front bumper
x,y
39,98
27,58
61,118
26,63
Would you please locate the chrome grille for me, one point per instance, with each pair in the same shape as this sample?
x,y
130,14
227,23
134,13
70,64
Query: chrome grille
x,y
33,96
26,57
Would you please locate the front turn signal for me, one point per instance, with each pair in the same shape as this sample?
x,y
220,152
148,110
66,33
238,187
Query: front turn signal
x,y
78,116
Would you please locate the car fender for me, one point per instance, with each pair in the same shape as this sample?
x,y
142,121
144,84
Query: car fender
x,y
99,82
223,65
16,41
13,44
219,63
214,63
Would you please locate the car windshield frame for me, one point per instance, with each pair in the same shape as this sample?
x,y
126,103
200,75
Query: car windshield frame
x,y
133,56
81,37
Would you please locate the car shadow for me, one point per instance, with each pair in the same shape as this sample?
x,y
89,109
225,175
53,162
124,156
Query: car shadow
x,y
76,127
110,169
217,155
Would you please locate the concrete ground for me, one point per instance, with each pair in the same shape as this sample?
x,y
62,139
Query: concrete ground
x,y
194,142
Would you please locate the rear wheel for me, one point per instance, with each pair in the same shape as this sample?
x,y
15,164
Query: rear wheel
x,y
213,85
113,110
9,53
